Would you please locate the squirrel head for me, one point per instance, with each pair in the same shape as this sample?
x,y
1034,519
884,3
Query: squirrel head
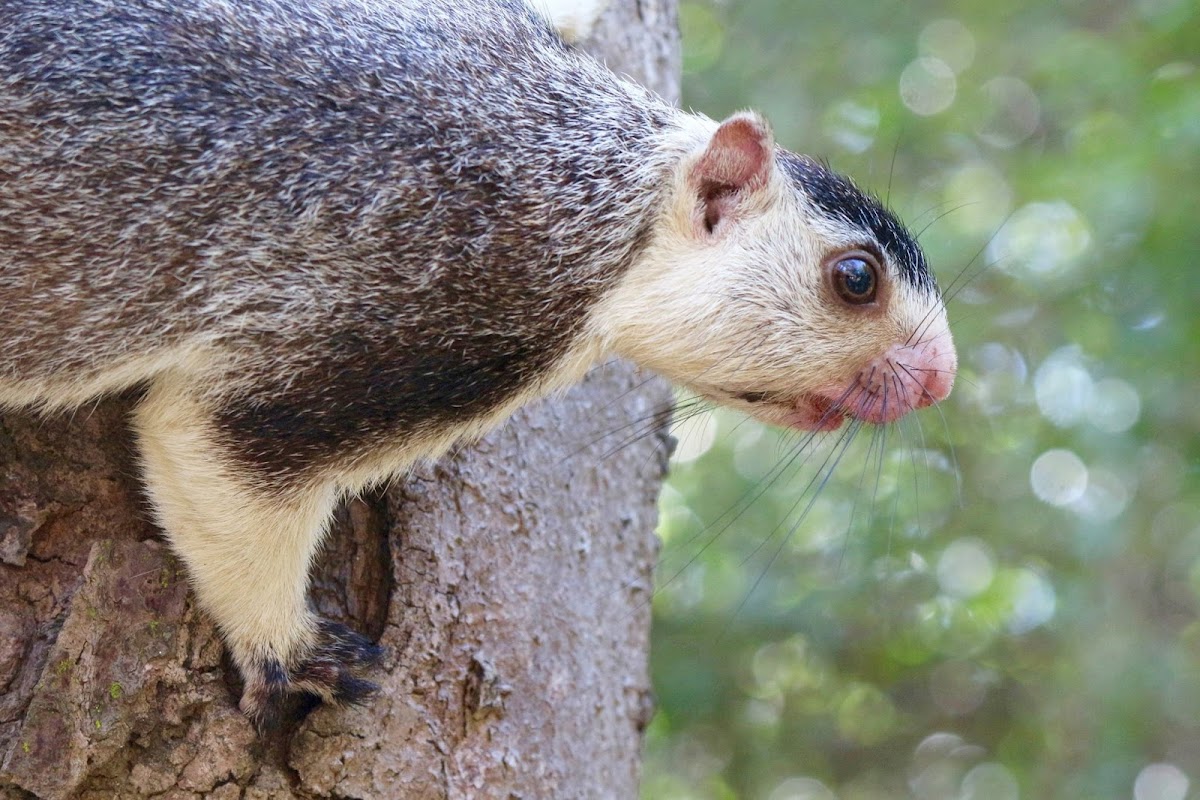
x,y
774,285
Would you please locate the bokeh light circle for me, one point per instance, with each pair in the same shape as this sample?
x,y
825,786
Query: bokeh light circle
x,y
1058,477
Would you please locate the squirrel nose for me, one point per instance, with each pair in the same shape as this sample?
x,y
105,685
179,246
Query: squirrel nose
x,y
932,369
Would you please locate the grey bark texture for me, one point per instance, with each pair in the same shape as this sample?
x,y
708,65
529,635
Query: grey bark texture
x,y
510,584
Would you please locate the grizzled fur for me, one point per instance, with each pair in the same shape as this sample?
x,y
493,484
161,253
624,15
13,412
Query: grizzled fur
x,y
331,237
378,229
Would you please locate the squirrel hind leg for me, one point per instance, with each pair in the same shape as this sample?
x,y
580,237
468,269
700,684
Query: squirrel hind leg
x,y
324,672
248,549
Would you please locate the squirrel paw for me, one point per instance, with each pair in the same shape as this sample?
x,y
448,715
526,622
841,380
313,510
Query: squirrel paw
x,y
322,672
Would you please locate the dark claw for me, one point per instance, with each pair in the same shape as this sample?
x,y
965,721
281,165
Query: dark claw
x,y
264,698
346,646
352,690
324,673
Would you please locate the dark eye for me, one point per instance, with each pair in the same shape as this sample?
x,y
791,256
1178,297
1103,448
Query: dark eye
x,y
855,279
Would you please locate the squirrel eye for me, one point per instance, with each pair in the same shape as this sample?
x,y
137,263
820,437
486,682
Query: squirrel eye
x,y
855,279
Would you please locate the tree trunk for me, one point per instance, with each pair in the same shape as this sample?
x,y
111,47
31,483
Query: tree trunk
x,y
510,584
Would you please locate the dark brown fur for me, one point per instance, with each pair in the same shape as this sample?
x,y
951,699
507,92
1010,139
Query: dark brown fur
x,y
279,181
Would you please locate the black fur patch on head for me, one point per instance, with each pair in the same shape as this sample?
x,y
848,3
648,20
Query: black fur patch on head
x,y
838,197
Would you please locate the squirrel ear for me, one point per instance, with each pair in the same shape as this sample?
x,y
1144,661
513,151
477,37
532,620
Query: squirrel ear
x,y
738,159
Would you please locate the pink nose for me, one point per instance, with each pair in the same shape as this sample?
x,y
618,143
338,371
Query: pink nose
x,y
902,379
924,373
935,372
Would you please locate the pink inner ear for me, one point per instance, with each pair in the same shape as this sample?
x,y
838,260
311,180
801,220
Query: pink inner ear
x,y
737,157
737,160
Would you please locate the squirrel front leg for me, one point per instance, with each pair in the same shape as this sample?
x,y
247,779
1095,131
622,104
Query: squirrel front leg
x,y
248,549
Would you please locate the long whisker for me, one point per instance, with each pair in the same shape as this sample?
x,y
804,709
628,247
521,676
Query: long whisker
x,y
644,425
949,441
743,504
940,216
887,196
875,437
959,282
746,501
839,451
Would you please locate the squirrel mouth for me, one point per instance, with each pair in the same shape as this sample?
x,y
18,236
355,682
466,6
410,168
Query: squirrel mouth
x,y
806,412
814,413
902,379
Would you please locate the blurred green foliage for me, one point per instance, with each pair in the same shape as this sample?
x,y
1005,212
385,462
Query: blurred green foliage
x,y
999,600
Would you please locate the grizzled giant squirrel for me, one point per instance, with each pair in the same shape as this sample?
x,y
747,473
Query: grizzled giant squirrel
x,y
329,239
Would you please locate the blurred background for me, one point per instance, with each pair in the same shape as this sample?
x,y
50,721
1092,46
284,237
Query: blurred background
x,y
999,600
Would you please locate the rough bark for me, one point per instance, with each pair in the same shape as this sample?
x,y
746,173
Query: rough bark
x,y
509,582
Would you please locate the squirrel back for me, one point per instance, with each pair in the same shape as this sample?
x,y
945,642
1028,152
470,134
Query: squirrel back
x,y
402,201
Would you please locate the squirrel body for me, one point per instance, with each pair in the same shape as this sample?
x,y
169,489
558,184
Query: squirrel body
x,y
330,239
